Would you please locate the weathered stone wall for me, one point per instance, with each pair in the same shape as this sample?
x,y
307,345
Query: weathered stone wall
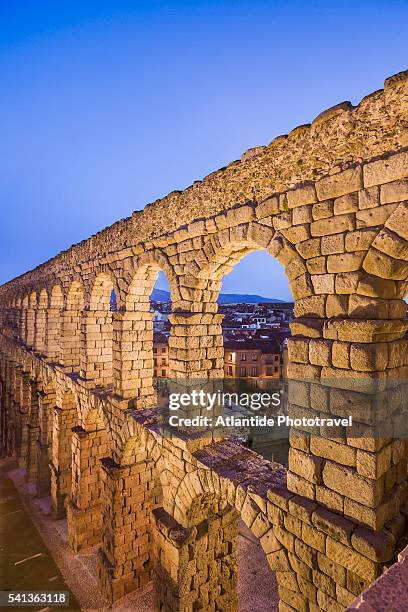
x,y
330,201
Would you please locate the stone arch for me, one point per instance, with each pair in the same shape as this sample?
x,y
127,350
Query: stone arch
x,y
222,250
203,488
225,248
56,297
75,296
205,525
43,298
102,286
136,441
196,491
92,414
387,257
146,270
32,300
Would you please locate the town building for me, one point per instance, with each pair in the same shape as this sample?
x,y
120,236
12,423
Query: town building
x,y
252,358
160,355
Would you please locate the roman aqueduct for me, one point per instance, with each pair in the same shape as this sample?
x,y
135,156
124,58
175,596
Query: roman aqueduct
x,y
330,201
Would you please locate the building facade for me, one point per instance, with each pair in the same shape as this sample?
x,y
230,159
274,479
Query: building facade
x,y
252,359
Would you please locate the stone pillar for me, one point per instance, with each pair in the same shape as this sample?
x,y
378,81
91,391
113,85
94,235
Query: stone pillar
x,y
96,347
46,401
7,409
355,368
125,560
196,346
84,509
39,335
43,480
133,357
60,466
196,567
71,339
2,419
24,401
53,335
3,411
30,327
9,323
16,323
33,430
12,407
196,363
22,325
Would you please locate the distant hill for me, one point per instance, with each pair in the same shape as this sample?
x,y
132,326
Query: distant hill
x,y
246,298
160,295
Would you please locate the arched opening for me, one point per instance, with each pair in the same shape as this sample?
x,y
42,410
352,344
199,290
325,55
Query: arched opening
x,y
250,290
161,307
257,307
223,538
71,327
97,333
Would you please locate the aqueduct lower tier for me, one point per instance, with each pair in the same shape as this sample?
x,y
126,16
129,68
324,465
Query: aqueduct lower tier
x,y
330,201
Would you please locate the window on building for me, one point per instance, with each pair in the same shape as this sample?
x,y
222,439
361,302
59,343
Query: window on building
x,y
254,371
243,357
163,372
155,362
276,357
276,369
163,361
230,370
155,373
254,356
242,371
163,349
155,349
269,371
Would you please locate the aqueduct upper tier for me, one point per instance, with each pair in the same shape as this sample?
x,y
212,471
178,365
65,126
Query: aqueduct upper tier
x,y
330,201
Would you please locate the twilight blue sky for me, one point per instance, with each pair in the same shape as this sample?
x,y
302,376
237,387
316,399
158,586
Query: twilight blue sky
x,y
106,105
